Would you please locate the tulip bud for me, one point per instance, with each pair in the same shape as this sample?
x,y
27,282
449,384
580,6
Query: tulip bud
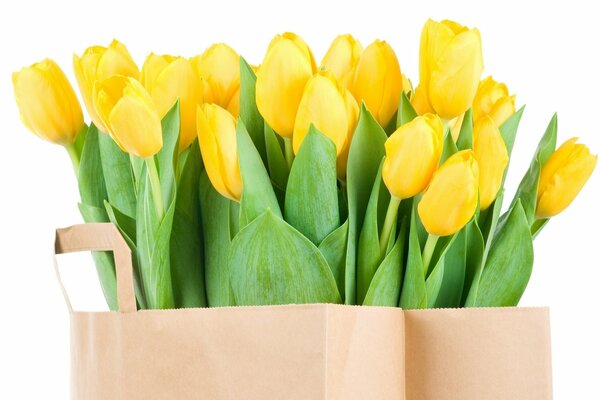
x,y
167,79
562,177
492,98
218,145
280,81
451,198
378,81
492,159
219,68
47,102
130,116
412,154
98,63
330,108
342,57
450,66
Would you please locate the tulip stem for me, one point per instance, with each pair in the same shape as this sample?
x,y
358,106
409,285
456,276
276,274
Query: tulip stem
x,y
74,155
390,218
289,152
155,186
428,251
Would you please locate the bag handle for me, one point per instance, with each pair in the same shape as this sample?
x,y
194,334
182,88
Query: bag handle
x,y
99,237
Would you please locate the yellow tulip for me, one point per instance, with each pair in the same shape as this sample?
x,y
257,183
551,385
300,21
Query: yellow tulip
x,y
378,81
219,67
98,63
450,66
218,145
280,82
342,57
492,158
562,177
492,98
130,116
451,198
330,108
412,154
167,79
47,102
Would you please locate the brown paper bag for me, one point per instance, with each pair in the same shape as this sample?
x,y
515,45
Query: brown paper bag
x,y
315,351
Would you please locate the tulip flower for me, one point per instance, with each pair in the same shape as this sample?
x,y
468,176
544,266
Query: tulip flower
x,y
378,81
492,98
342,57
450,66
218,145
167,79
280,81
47,103
98,63
219,68
412,154
492,158
331,109
128,112
562,177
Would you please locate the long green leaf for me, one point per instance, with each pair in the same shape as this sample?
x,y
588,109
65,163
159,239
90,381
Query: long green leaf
x,y
508,129
92,188
451,289
333,248
216,235
406,112
474,263
311,202
278,167
272,263
387,281
434,280
465,137
509,264
248,110
167,158
414,290
118,176
366,151
257,193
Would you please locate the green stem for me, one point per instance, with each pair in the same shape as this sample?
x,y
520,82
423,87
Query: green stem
x,y
155,186
390,218
74,155
428,251
289,151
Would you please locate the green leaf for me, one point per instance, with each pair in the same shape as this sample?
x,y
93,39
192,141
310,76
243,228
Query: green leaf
x,y
465,137
248,110
387,281
449,146
92,188
311,202
537,226
368,252
257,193
272,263
406,112
508,129
126,226
216,235
451,288
278,167
509,264
153,238
366,151
80,140
166,158
118,176
414,291
186,237
527,190
435,278
474,263
333,248
103,260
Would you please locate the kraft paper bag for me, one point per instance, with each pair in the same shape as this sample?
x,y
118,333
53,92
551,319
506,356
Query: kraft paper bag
x,y
313,351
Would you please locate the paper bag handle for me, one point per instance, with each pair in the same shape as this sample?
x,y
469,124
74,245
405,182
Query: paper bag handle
x,y
99,237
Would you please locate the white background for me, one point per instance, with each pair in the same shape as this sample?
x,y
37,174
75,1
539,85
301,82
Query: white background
x,y
547,52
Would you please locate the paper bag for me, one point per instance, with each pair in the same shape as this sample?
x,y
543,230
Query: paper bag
x,y
313,351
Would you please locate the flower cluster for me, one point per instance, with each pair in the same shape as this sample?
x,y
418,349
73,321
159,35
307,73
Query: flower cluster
x,y
296,181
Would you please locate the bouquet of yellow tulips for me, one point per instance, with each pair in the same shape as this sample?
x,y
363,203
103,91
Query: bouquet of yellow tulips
x,y
294,182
